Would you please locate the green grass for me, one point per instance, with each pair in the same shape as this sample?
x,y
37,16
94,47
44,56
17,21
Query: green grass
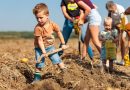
x,y
26,35
15,35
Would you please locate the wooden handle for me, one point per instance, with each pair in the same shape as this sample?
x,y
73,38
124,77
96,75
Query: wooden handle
x,y
51,52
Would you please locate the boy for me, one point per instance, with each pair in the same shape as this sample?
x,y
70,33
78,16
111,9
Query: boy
x,y
44,39
71,12
108,35
115,11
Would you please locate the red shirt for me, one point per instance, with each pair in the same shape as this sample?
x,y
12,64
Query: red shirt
x,y
88,2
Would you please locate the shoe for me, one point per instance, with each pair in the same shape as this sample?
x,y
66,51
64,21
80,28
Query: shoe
x,y
115,61
122,63
37,76
100,64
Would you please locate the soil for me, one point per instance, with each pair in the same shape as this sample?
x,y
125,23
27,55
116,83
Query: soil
x,y
15,75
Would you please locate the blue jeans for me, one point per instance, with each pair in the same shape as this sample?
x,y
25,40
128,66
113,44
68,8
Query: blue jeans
x,y
103,53
55,59
67,30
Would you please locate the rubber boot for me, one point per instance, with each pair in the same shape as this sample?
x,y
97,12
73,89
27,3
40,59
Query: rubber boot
x,y
37,76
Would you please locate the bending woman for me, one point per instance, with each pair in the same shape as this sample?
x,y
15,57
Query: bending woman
x,y
94,20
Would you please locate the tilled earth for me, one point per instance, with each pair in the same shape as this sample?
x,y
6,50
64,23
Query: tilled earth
x,y
15,75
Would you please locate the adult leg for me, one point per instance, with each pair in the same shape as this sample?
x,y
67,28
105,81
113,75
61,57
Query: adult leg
x,y
67,29
123,42
94,22
89,49
122,48
86,43
94,31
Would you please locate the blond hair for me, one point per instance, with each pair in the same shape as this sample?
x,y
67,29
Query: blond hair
x,y
41,7
108,20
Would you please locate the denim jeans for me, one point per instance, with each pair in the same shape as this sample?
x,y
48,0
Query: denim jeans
x,y
55,59
103,53
67,30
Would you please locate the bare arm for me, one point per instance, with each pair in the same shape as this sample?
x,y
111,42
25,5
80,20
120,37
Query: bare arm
x,y
95,6
85,7
41,45
59,34
65,13
81,15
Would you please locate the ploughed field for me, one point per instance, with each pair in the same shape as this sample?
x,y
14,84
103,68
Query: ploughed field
x,y
15,75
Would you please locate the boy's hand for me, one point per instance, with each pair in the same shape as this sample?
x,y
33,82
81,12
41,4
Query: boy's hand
x,y
64,46
45,55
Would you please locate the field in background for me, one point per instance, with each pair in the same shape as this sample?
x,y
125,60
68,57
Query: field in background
x,y
16,35
15,75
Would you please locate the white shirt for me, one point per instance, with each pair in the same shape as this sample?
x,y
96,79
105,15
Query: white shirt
x,y
121,10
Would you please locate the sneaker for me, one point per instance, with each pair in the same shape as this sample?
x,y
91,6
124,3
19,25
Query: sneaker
x,y
120,63
100,64
115,61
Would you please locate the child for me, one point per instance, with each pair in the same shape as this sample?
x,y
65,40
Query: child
x,y
104,36
115,11
44,39
71,12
